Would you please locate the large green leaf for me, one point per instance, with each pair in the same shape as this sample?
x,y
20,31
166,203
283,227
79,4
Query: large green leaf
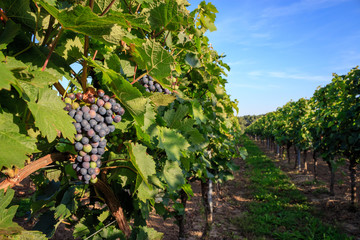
x,y
142,161
154,58
128,95
20,12
110,28
7,77
173,175
14,146
50,117
166,16
173,117
172,142
10,31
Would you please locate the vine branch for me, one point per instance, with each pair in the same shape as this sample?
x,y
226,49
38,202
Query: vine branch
x,y
53,45
31,168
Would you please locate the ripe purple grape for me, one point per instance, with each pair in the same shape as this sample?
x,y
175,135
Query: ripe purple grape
x,y
78,146
86,158
106,98
85,140
86,165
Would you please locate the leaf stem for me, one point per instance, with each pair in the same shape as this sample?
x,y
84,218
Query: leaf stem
x,y
48,30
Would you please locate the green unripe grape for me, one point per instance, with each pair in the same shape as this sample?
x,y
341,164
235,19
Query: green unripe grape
x,y
107,105
87,148
75,105
68,100
93,164
94,180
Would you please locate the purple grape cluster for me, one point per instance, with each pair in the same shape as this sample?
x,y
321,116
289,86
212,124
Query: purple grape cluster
x,y
94,121
152,86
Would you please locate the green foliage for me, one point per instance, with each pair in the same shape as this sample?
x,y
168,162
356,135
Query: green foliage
x,y
162,140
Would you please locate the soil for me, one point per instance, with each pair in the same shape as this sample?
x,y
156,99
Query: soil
x,y
230,202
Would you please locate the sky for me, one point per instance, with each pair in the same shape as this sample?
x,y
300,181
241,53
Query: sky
x,y
282,50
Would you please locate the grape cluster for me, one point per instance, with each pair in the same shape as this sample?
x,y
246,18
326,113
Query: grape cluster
x,y
94,120
152,86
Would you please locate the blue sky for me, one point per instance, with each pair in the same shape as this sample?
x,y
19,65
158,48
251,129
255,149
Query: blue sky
x,y
282,50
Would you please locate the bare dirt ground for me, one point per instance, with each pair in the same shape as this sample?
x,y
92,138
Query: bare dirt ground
x,y
231,199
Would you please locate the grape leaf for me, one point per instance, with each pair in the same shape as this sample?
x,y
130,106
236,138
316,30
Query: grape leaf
x,y
13,145
172,142
110,28
174,117
173,175
109,233
142,161
7,226
154,58
10,31
128,95
7,77
160,99
50,117
166,16
197,111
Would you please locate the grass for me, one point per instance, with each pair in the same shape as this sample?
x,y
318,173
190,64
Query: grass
x,y
279,211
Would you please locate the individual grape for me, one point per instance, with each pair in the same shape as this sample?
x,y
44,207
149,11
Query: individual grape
x,y
67,107
78,146
74,166
91,132
87,177
85,109
78,137
83,171
145,80
85,140
87,148
102,133
160,90
151,83
80,177
112,101
82,153
79,96
72,113
91,171
100,103
94,107
98,164
109,112
87,116
116,107
106,98
94,180
84,123
95,144
78,118
117,118
79,158
100,93
86,158
94,150
94,158
67,100
100,151
92,123
77,126
87,128
91,100
75,105
97,128
93,164
121,111
112,128
102,143
71,96
92,113
86,165
108,120
96,138
152,88
98,117
102,110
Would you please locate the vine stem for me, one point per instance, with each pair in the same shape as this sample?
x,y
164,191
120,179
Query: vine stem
x,y
114,205
32,167
53,45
